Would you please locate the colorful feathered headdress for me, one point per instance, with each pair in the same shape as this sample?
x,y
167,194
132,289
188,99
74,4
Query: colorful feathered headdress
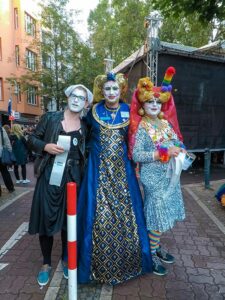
x,y
146,91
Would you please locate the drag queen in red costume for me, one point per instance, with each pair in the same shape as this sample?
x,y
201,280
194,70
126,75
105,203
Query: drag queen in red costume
x,y
156,144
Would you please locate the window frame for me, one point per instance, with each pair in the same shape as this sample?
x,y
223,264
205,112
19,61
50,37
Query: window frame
x,y
31,60
17,55
30,25
1,89
0,49
32,91
16,18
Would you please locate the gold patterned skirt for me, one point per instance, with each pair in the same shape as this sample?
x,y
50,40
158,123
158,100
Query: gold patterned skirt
x,y
116,254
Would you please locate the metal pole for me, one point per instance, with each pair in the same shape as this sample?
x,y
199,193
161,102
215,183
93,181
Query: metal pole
x,y
207,164
72,239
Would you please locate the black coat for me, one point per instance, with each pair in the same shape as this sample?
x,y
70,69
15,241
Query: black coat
x,y
48,130
48,211
19,148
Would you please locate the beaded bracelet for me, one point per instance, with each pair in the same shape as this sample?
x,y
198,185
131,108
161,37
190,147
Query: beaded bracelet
x,y
163,154
179,144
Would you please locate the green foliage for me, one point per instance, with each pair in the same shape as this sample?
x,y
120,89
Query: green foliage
x,y
117,29
186,30
206,10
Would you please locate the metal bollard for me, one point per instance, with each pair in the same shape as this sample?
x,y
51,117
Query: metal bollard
x,y
207,164
72,239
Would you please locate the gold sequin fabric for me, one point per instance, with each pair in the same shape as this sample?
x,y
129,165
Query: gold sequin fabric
x,y
116,246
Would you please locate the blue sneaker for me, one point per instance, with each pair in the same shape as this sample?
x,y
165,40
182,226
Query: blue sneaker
x,y
65,269
158,268
165,256
44,275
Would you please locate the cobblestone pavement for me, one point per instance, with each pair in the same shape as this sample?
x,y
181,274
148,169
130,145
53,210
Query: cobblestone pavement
x,y
197,243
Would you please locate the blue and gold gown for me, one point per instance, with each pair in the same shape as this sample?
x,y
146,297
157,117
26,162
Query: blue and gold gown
x,y
113,243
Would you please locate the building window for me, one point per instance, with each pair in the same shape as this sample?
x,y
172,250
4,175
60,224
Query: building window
x,y
46,61
17,92
31,59
32,95
1,89
30,25
0,48
16,18
17,55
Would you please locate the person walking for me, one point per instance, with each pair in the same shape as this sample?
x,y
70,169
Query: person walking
x,y
4,140
20,150
59,141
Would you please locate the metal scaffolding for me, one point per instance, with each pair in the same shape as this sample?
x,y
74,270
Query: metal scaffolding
x,y
153,23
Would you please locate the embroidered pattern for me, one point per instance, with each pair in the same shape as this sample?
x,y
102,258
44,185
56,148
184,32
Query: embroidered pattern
x,y
116,246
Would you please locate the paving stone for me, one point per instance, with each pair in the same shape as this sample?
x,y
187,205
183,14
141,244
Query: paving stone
x,y
203,250
180,295
23,296
118,297
180,273
199,290
187,260
178,285
216,266
218,276
201,279
146,288
158,286
130,288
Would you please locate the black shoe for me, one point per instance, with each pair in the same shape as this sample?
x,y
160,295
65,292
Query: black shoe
x,y
11,191
158,268
165,256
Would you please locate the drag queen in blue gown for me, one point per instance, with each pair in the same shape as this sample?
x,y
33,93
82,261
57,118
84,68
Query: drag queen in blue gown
x,y
113,244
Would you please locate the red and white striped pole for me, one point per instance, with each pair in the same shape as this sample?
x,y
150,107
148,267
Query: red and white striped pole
x,y
72,239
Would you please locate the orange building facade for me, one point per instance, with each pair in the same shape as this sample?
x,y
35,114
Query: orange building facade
x,y
18,31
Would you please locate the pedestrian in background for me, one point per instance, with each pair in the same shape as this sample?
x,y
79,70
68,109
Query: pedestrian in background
x,y
3,168
8,131
20,150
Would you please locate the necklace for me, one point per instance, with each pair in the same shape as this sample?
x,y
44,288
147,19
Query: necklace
x,y
156,123
113,113
158,130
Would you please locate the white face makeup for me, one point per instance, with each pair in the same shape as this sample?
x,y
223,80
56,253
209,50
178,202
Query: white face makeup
x,y
77,100
152,107
111,92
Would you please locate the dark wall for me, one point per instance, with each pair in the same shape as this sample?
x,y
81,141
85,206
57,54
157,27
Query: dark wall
x,y
199,93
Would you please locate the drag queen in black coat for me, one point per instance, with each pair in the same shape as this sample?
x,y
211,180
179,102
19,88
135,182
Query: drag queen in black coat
x,y
48,212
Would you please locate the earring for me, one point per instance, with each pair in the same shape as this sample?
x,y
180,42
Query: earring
x,y
161,115
141,112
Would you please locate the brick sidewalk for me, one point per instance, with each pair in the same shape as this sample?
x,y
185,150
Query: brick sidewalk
x,y
199,271
197,243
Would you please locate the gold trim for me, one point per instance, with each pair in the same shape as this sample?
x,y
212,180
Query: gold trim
x,y
109,126
111,109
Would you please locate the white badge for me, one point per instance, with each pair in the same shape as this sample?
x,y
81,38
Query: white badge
x,y
75,141
124,114
60,161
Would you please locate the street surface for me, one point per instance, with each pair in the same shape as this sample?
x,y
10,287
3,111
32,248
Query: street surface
x,y
198,245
